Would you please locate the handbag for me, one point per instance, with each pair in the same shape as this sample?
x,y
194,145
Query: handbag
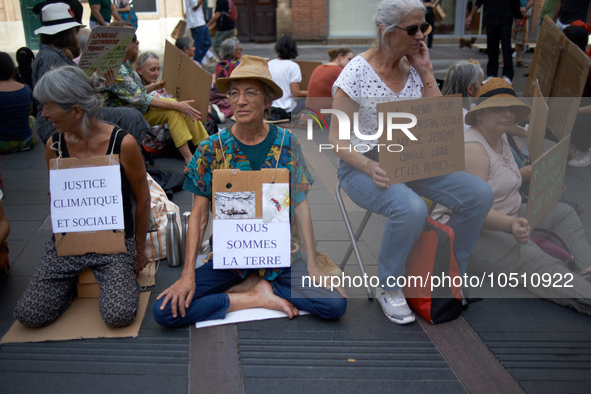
x,y
433,256
551,249
159,206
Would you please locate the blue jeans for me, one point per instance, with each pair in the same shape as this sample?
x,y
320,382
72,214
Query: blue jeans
x,y
210,302
202,41
470,198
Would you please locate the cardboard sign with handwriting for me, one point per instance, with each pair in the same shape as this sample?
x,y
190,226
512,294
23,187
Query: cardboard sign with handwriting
x,y
105,49
307,68
547,179
537,124
543,67
251,242
185,80
79,243
439,148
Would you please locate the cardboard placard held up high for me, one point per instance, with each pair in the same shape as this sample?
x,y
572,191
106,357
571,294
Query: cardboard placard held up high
x,y
537,126
79,243
179,29
105,49
306,67
547,179
185,80
439,129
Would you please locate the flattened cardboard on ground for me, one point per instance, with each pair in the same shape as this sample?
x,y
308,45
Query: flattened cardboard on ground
x,y
105,49
306,67
77,244
537,124
179,29
543,67
440,132
82,320
247,181
547,180
185,80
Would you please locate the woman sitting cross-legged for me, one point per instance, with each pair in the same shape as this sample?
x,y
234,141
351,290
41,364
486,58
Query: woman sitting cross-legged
x,y
504,244
71,102
251,144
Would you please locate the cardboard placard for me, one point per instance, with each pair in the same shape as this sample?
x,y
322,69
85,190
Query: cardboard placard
x,y
179,30
543,67
547,179
306,67
79,243
249,243
537,124
105,49
439,149
246,181
185,80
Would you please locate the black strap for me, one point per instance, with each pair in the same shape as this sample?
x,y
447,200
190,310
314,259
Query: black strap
x,y
59,21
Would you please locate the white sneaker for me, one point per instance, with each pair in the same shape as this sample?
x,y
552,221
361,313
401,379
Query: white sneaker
x,y
508,80
394,306
581,159
487,79
572,151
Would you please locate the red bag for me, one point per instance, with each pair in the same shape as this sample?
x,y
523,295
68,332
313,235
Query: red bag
x,y
233,12
433,256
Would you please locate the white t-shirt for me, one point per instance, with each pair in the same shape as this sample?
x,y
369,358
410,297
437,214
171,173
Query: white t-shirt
x,y
360,82
284,73
194,18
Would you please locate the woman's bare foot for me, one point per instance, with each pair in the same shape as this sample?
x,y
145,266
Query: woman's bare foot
x,y
252,278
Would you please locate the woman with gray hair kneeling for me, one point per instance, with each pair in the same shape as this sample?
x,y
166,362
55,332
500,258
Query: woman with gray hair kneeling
x,y
71,102
249,145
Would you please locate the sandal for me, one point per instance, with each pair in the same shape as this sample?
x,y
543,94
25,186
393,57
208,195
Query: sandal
x,y
521,63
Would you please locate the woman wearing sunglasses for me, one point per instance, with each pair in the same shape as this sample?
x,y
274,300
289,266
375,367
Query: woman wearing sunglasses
x,y
398,67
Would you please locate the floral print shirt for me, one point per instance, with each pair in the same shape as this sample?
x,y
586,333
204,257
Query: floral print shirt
x,y
210,156
128,91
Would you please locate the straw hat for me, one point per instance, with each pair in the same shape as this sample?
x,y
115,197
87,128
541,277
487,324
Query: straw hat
x,y
251,67
497,93
56,18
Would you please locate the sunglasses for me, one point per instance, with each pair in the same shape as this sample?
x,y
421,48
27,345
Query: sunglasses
x,y
412,30
134,38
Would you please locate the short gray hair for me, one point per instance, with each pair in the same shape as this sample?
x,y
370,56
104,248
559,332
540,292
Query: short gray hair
x,y
390,13
68,85
228,48
459,77
145,56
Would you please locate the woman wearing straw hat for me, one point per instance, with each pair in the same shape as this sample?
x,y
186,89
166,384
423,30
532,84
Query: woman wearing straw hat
x,y
250,144
504,244
399,67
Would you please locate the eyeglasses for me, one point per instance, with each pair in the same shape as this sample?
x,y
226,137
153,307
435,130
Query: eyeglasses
x,y
250,95
134,38
412,30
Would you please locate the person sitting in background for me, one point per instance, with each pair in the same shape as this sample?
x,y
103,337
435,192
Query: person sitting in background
x,y
82,38
287,74
15,108
183,120
324,76
504,244
185,44
148,68
465,78
24,71
72,101
230,55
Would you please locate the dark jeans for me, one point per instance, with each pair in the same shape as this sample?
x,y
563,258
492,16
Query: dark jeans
x,y
494,35
430,19
202,41
210,302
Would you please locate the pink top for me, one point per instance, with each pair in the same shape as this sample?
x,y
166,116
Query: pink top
x,y
503,174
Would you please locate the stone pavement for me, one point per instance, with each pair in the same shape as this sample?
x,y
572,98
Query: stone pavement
x,y
503,345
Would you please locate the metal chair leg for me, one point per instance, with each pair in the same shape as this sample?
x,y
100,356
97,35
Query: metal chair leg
x,y
354,237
